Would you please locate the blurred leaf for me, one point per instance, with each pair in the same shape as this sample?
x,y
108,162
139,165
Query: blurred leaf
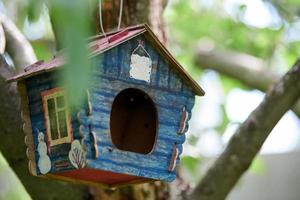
x,y
225,121
72,28
225,31
42,49
10,186
290,52
192,140
190,163
229,83
35,9
187,61
258,166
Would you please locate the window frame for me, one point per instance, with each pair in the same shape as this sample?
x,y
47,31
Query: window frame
x,y
54,94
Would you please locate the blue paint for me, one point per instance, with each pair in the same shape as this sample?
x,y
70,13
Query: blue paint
x,y
110,75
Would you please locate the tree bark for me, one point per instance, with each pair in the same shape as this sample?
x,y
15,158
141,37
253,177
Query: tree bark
x,y
2,40
248,69
134,12
249,138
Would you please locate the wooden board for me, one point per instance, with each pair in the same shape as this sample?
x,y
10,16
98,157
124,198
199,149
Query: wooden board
x,y
110,76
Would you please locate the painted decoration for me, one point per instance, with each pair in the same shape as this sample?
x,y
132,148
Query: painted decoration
x,y
175,154
141,64
77,155
44,162
95,146
183,120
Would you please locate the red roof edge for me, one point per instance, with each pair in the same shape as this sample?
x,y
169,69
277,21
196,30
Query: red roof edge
x,y
100,43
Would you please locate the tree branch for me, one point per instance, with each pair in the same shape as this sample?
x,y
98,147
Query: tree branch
x,y
249,138
247,69
156,19
2,40
17,45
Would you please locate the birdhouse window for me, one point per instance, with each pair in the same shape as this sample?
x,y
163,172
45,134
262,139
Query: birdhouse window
x,y
57,119
133,121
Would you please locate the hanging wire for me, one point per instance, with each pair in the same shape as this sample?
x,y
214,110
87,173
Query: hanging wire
x,y
101,20
142,47
120,15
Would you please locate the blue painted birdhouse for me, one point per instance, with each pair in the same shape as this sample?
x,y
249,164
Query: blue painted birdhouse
x,y
132,125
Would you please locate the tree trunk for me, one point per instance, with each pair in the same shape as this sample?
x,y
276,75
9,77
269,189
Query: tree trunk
x,y
134,12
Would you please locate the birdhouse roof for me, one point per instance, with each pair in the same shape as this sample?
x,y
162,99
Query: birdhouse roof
x,y
99,44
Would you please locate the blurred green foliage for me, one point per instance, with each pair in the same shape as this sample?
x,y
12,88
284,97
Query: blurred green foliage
x,y
72,29
41,50
191,164
228,30
10,186
258,166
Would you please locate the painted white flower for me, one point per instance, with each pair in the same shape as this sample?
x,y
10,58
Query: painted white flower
x,y
77,155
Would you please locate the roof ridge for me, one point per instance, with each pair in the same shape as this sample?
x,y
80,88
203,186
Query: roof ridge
x,y
99,44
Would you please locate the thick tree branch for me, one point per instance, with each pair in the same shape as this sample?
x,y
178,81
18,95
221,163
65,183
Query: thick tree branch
x,y
243,67
17,45
249,138
2,40
247,69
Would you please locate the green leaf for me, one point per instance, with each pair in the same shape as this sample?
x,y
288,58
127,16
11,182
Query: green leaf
x,y
11,187
190,163
72,28
35,10
258,166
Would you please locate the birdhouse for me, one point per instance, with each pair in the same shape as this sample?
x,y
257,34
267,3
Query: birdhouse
x,y
132,125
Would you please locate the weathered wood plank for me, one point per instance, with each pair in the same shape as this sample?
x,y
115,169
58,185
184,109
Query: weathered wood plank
x,y
162,145
97,64
175,81
128,168
111,63
41,79
163,71
108,90
27,127
125,59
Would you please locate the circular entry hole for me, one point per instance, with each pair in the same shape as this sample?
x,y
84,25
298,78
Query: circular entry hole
x,y
133,121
